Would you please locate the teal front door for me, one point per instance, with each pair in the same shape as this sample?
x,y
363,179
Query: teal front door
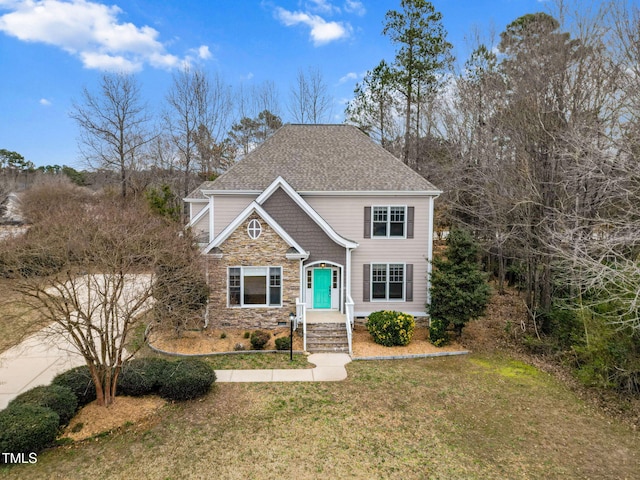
x,y
321,288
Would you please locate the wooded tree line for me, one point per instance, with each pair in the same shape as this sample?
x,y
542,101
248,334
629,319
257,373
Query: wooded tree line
x,y
202,128
535,142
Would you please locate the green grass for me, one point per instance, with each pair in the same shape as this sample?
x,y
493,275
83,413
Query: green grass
x,y
242,361
469,417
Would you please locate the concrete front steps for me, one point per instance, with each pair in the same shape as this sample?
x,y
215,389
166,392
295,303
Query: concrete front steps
x,y
327,338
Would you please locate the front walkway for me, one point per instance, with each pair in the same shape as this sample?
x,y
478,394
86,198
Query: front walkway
x,y
42,356
329,367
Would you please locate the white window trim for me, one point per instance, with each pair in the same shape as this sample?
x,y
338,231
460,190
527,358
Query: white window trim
x,y
388,236
254,229
404,283
268,279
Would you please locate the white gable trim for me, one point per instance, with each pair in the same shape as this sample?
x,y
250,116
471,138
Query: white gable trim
x,y
198,216
282,183
242,217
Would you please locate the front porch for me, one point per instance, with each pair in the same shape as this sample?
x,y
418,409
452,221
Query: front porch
x,y
325,316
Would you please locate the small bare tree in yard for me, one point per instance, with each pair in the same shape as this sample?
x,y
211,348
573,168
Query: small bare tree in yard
x,y
89,266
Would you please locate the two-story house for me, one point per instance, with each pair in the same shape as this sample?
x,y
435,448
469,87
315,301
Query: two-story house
x,y
317,219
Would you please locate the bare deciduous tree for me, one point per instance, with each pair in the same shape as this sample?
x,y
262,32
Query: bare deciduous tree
x,y
89,267
197,118
113,125
309,100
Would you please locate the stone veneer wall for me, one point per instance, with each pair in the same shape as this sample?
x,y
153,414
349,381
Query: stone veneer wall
x,y
268,250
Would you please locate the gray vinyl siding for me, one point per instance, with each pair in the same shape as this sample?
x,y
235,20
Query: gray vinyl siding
x,y
303,229
346,215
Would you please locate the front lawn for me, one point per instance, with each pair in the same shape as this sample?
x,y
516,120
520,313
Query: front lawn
x,y
476,416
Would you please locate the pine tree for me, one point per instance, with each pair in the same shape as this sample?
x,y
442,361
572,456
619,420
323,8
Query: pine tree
x,y
459,289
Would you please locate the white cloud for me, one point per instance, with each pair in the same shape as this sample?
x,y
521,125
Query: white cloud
x,y
349,76
91,31
322,32
322,6
354,6
45,103
204,53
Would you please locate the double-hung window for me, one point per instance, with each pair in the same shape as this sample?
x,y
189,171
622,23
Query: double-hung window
x,y
389,222
255,286
387,281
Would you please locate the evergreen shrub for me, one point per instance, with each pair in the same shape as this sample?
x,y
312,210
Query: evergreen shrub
x,y
141,376
80,382
390,328
283,343
438,334
186,379
58,398
26,428
259,339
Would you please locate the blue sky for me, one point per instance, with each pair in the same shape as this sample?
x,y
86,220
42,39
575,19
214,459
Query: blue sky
x,y
51,49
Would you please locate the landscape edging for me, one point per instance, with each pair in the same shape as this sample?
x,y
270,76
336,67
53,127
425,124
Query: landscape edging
x,y
414,355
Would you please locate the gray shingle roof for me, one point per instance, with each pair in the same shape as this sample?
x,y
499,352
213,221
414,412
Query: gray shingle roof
x,y
319,158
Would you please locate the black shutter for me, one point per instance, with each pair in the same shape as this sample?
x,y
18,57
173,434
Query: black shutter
x,y
409,283
410,214
367,222
366,283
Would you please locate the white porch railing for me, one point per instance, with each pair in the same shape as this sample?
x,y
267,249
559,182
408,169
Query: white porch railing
x,y
301,315
349,322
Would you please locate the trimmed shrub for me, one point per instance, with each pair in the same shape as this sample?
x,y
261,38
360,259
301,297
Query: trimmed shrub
x,y
80,382
141,376
186,379
438,335
259,339
283,343
58,398
391,328
26,428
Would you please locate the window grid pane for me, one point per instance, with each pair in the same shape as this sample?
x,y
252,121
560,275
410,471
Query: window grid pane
x,y
379,273
274,277
387,281
396,273
275,291
379,214
379,281
397,214
234,286
396,222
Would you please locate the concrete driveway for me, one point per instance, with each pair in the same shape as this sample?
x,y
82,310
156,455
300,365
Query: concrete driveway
x,y
35,362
